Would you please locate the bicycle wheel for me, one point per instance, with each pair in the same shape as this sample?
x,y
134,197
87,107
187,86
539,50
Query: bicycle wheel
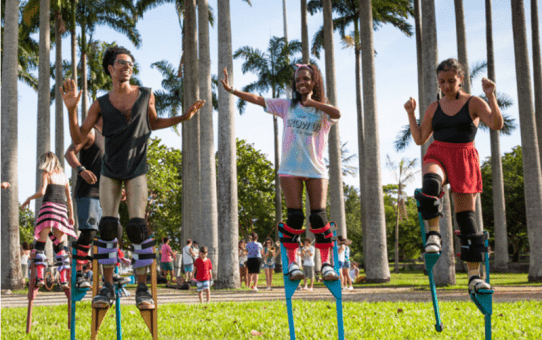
x,y
49,281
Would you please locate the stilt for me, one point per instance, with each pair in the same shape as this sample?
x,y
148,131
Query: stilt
x,y
151,315
430,261
77,294
98,315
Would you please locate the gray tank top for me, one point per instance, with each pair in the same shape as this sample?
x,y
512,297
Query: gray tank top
x,y
125,155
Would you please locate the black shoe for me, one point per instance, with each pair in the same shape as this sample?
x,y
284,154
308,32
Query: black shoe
x,y
105,297
81,281
143,297
120,280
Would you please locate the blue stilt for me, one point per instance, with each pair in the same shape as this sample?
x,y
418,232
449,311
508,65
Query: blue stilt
x,y
430,261
118,290
334,287
77,294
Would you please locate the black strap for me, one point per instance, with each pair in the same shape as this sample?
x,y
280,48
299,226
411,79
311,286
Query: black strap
x,y
294,239
144,257
102,244
105,256
79,257
145,245
286,232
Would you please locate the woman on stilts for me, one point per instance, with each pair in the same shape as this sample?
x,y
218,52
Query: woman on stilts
x,y
451,158
55,218
307,120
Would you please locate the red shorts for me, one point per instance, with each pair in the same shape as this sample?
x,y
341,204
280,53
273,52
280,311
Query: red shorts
x,y
461,164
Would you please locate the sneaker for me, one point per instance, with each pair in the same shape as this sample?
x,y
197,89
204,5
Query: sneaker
x,y
255,289
105,297
294,272
433,243
39,282
476,284
81,281
120,280
351,288
310,289
328,273
143,297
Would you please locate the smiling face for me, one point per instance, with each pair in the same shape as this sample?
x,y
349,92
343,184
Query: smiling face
x,y
449,82
122,68
304,83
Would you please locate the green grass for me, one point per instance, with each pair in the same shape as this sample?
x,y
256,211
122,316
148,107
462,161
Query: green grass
x,y
314,320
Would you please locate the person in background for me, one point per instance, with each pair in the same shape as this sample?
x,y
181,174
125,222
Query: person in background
x,y
167,258
307,253
25,256
254,261
354,271
204,274
188,260
243,270
269,262
344,262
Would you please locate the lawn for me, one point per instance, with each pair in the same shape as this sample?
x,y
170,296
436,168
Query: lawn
x,y
314,320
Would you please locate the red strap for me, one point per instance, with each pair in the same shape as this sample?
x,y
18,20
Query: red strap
x,y
321,230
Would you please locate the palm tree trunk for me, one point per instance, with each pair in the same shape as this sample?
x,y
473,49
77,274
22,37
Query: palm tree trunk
x,y
304,33
59,105
84,74
537,68
74,77
444,275
531,162
336,189
209,218
396,257
44,100
12,277
228,272
376,262
499,207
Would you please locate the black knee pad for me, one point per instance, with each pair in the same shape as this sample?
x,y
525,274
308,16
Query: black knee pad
x,y
86,237
318,218
58,247
473,244
295,218
39,245
137,231
467,222
108,228
430,205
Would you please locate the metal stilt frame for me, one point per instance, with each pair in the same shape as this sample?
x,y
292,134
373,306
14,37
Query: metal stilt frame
x,y
150,316
77,294
430,261
334,287
33,292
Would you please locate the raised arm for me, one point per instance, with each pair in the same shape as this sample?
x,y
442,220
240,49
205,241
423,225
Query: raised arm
x,y
420,134
328,109
249,97
162,123
489,114
71,99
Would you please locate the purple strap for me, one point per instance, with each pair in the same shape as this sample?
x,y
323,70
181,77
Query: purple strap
x,y
140,249
62,262
40,259
110,249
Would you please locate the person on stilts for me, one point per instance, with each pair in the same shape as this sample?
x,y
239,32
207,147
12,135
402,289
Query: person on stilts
x,y
129,115
452,158
307,120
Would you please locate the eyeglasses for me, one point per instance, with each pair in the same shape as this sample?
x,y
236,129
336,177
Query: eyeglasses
x,y
123,62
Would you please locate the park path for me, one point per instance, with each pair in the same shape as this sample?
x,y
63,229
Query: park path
x,y
502,294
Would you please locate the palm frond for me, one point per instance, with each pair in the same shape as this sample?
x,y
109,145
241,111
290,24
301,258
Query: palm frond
x,y
403,138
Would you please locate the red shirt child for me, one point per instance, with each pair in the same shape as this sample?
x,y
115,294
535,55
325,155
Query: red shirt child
x,y
203,269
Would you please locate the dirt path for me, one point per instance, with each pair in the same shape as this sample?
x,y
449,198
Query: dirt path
x,y
502,294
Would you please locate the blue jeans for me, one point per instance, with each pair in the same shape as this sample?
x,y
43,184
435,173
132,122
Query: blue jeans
x,y
89,212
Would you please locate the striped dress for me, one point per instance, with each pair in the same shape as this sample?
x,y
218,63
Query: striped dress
x,y
54,212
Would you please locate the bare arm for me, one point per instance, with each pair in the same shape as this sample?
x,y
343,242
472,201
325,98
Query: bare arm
x,y
489,114
162,123
69,203
330,110
39,193
249,97
71,99
420,134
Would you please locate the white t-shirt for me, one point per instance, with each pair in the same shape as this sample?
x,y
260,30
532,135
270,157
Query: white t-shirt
x,y
304,138
187,257
309,260
342,253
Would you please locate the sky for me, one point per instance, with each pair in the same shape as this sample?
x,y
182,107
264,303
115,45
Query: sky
x,y
395,66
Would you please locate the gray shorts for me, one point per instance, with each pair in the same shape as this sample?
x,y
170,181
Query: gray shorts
x,y
308,272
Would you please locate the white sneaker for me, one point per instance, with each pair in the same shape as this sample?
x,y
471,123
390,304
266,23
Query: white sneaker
x,y
433,244
351,288
328,273
294,272
476,283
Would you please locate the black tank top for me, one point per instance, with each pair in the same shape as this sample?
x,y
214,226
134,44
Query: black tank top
x,y
125,154
458,128
55,193
91,159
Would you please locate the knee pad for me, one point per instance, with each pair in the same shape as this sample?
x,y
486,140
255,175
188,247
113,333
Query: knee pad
x,y
473,245
295,218
137,231
39,246
108,228
318,219
321,229
467,222
57,246
430,205
86,237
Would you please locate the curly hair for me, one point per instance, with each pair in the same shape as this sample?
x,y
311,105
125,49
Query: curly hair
x,y
111,54
318,93
451,65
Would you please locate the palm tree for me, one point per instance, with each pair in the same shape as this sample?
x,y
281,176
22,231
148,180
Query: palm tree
x,y
499,207
537,68
404,173
228,272
209,217
12,277
377,269
531,161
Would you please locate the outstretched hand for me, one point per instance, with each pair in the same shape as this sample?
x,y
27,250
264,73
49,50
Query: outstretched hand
x,y
488,86
193,109
410,105
224,81
71,99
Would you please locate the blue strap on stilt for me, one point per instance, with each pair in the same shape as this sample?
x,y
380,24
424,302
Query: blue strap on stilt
x,y
483,299
77,294
118,289
430,261
334,287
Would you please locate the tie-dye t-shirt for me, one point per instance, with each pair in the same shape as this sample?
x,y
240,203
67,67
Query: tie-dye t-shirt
x,y
304,138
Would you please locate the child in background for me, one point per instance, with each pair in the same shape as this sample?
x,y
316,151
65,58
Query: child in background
x,y
204,275
269,262
308,252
